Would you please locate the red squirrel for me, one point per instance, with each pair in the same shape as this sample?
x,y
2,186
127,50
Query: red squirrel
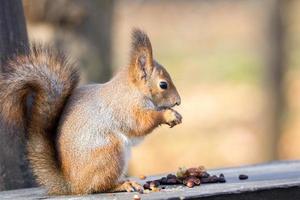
x,y
79,138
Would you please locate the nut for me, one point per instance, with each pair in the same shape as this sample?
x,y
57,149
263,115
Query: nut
x,y
146,186
195,180
189,177
195,171
163,180
170,176
190,184
213,179
222,178
171,181
181,173
204,180
136,197
210,179
205,175
243,177
143,177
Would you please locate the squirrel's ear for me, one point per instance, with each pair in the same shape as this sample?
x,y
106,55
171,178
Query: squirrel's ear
x,y
141,60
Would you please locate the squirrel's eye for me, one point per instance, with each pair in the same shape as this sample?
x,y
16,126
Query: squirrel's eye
x,y
163,85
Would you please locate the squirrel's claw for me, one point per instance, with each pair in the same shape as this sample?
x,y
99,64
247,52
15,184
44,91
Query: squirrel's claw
x,y
131,186
173,118
137,187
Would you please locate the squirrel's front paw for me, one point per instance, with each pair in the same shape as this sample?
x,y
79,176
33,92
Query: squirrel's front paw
x,y
172,117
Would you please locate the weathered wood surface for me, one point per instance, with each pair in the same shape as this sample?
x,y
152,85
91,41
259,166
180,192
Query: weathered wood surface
x,y
278,180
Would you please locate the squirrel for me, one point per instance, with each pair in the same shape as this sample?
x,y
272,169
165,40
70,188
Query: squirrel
x,y
79,138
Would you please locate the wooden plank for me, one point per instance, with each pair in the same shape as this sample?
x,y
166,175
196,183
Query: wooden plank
x,y
273,180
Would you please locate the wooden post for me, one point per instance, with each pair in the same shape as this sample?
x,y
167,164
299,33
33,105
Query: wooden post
x,y
98,30
13,35
14,170
275,181
275,60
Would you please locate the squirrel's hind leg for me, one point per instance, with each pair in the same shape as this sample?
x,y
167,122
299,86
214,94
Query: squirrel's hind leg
x,y
98,171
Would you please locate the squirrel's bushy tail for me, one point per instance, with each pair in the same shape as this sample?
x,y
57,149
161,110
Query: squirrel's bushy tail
x,y
48,78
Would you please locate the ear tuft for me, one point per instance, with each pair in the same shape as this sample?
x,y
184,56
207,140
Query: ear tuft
x,y
140,40
141,60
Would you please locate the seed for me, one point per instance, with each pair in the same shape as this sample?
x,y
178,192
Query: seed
x,y
204,180
169,176
181,173
143,177
171,181
195,180
210,179
213,179
243,177
195,171
136,197
205,175
190,184
163,180
189,177
222,178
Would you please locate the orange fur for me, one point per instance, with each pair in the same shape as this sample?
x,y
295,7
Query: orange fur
x,y
79,139
147,120
93,175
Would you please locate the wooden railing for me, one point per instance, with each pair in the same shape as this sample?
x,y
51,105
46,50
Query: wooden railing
x,y
276,181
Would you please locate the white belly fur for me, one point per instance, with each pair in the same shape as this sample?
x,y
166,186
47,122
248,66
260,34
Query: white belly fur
x,y
127,144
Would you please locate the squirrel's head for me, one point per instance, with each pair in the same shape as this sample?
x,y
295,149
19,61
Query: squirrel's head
x,y
148,75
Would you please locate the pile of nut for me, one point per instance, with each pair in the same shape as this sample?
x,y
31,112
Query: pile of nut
x,y
189,177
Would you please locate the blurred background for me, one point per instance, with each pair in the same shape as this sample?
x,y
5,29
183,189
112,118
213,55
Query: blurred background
x,y
236,64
